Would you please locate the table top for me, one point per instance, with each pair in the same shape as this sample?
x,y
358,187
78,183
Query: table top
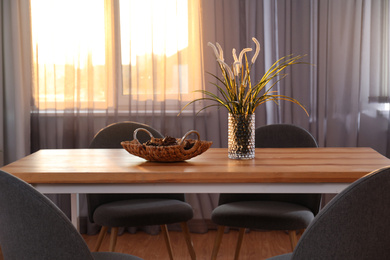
x,y
271,165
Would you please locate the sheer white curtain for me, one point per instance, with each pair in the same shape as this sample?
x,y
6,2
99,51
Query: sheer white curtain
x,y
102,61
346,41
282,28
15,80
353,51
99,62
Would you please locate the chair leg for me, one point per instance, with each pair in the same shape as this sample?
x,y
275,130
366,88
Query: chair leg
x,y
217,242
164,230
99,241
293,238
187,237
114,235
239,243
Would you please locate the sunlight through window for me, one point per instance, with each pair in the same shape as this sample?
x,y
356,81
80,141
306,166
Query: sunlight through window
x,y
153,26
97,54
155,32
66,30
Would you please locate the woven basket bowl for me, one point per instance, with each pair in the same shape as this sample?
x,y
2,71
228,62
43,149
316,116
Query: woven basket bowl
x,y
172,153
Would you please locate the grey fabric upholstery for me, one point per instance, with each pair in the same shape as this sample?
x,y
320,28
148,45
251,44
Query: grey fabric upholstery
x,y
270,215
33,228
142,212
111,209
111,256
112,135
283,136
353,225
271,211
99,200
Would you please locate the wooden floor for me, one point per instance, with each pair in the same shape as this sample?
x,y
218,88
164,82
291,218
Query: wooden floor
x,y
256,245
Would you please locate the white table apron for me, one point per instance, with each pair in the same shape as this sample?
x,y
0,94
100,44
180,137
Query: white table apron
x,y
76,189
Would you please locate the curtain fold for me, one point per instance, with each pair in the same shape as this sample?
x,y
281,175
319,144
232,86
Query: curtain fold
x,y
1,86
15,79
347,45
145,78
345,41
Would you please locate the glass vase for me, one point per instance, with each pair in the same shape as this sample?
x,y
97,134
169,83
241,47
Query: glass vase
x,y
241,136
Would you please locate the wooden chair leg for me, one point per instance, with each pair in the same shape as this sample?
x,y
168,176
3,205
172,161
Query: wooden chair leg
x,y
239,243
99,241
114,235
187,237
164,230
217,242
293,238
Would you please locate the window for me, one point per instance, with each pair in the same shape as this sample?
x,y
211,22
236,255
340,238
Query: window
x,y
98,54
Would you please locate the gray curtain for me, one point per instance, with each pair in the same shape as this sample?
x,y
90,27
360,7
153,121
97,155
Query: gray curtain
x,y
15,80
347,43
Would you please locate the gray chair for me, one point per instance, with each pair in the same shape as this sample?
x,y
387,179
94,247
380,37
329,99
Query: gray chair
x,y
289,212
134,210
353,225
33,228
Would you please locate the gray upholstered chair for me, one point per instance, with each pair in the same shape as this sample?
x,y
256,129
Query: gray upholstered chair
x,y
353,225
33,228
133,210
289,212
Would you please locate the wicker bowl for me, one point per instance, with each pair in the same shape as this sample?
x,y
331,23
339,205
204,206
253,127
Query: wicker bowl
x,y
171,153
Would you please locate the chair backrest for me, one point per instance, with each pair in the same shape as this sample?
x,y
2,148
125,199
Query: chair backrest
x,y
280,136
353,225
283,136
32,227
110,137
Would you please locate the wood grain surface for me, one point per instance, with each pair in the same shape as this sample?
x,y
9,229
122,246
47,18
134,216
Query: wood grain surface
x,y
271,165
257,245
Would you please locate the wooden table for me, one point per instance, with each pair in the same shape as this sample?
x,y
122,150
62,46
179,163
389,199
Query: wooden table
x,y
282,170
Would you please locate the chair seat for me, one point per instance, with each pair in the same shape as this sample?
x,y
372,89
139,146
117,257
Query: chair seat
x,y
113,256
269,215
142,212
